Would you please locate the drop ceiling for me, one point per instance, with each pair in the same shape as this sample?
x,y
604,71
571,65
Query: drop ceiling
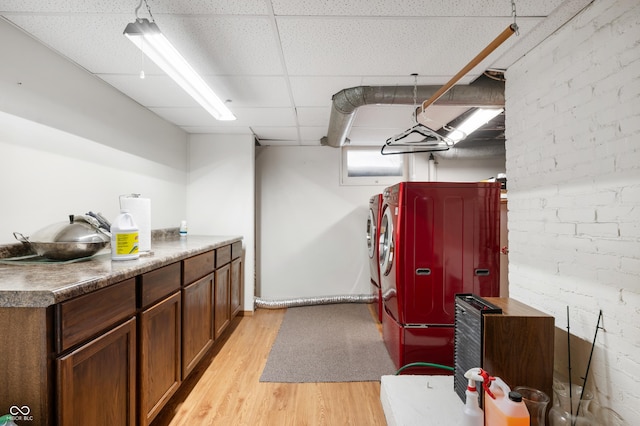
x,y
279,62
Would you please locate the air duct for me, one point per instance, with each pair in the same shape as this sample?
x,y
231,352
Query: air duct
x,y
484,92
311,301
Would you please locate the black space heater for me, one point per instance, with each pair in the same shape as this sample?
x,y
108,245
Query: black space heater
x,y
468,337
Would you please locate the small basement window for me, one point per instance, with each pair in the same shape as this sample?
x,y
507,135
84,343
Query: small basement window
x,y
367,166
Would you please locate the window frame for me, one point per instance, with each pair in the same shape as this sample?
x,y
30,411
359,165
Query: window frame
x,y
346,180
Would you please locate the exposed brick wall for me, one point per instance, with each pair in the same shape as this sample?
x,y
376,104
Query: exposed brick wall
x,y
573,169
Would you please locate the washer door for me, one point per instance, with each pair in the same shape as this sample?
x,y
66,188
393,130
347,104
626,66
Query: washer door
x,y
386,242
371,234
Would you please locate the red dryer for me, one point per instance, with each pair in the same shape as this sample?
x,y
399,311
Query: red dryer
x,y
373,224
437,239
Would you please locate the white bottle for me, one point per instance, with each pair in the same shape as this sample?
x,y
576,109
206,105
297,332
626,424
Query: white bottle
x,y
472,413
124,237
183,228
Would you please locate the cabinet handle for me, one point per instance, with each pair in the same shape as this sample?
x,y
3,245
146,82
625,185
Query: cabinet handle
x,y
423,271
482,272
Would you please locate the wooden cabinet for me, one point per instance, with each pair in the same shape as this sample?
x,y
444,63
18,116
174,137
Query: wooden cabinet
x,y
105,365
159,340
197,322
117,354
236,278
197,309
96,382
505,337
519,345
236,286
222,314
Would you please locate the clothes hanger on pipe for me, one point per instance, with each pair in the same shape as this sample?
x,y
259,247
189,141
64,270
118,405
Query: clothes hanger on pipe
x,y
431,141
428,139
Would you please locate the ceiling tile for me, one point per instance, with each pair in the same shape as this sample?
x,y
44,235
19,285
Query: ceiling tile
x,y
152,91
218,130
265,134
442,8
313,133
367,46
253,91
315,116
129,6
102,48
225,44
317,91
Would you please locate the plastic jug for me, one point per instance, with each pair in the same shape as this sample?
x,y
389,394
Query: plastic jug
x,y
503,407
124,237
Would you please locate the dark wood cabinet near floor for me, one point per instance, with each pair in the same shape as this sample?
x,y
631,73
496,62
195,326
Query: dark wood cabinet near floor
x,y
97,381
222,314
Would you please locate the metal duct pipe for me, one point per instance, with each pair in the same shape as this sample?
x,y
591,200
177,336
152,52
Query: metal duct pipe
x,y
483,92
309,301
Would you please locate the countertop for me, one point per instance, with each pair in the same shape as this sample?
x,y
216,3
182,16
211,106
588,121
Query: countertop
x,y
42,285
420,401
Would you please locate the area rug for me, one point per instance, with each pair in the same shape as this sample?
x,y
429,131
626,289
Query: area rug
x,y
328,343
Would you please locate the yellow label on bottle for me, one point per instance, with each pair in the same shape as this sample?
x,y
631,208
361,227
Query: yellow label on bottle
x,y
126,243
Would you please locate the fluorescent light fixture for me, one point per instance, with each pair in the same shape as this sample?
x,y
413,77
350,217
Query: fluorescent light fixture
x,y
479,118
148,38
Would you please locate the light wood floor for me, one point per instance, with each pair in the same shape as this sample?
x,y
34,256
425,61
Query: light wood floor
x,y
225,388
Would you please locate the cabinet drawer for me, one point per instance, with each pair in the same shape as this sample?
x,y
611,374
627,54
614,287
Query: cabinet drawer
x,y
223,255
236,249
159,283
90,314
198,266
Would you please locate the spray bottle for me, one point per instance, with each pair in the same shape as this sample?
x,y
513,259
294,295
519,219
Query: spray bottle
x,y
472,413
502,407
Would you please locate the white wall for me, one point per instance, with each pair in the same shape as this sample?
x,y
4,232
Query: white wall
x,y
220,194
47,174
312,230
70,143
38,84
573,163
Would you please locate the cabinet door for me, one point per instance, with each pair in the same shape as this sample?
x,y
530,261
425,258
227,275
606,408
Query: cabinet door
x,y
97,381
197,322
222,315
159,356
236,286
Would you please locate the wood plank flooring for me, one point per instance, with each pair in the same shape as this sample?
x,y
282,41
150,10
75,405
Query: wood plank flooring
x,y
225,388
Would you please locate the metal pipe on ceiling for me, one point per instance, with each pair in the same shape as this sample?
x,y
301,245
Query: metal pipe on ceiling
x,y
483,92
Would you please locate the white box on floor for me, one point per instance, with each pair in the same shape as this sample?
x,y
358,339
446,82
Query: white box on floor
x,y
420,401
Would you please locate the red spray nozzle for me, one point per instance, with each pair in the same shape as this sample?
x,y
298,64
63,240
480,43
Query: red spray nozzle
x,y
486,382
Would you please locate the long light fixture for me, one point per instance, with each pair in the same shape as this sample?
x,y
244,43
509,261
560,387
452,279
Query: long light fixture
x,y
477,119
148,38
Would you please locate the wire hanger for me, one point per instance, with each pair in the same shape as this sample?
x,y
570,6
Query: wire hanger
x,y
428,139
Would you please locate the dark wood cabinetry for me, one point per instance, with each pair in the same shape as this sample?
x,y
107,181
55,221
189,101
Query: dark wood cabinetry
x,y
236,287
96,382
222,314
507,338
160,342
197,321
114,350
519,345
104,364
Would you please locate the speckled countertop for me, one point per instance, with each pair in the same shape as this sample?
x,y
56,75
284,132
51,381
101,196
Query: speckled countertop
x,y
46,284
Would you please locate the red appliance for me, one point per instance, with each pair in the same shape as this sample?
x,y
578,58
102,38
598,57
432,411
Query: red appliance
x,y
373,225
437,239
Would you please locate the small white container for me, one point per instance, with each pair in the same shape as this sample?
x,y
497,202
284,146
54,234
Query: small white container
x,y
124,237
183,228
